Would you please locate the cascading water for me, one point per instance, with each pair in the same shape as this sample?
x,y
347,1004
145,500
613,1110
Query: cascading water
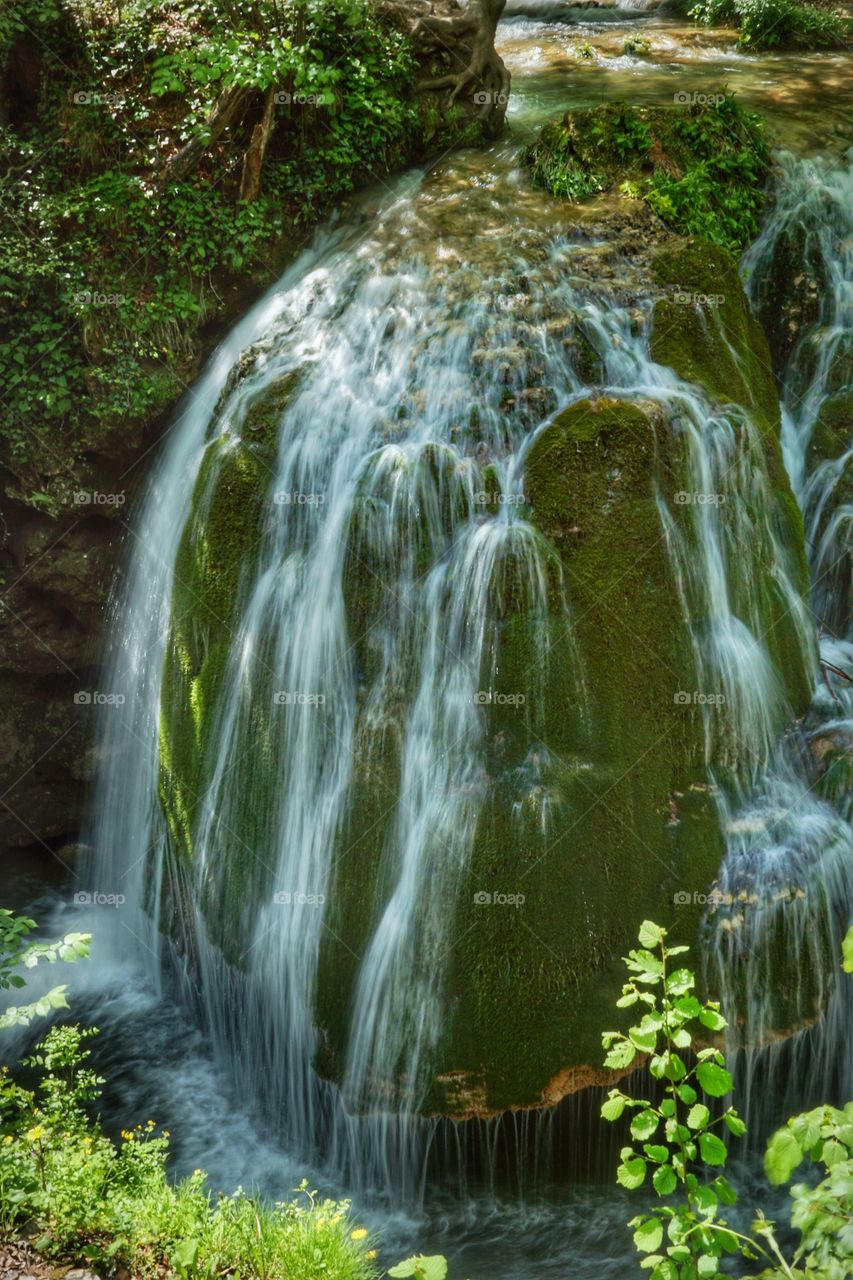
x,y
785,891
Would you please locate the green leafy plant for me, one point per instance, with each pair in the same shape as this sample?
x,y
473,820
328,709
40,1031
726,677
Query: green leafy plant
x,y
78,1195
769,24
421,1267
676,1139
822,1213
17,952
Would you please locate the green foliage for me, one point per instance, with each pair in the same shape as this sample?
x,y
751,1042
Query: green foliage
x,y
822,1213
17,952
116,273
584,51
847,951
701,167
421,1268
783,24
80,1196
720,194
674,1137
637,45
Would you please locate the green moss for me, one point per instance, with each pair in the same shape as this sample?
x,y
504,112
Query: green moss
x,y
602,770
213,560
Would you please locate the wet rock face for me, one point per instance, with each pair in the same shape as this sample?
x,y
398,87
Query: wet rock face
x,y
59,563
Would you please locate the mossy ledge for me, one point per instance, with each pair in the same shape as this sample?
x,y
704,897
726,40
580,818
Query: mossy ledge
x,y
702,168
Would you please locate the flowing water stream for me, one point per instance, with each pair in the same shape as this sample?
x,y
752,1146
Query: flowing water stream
x,y
444,291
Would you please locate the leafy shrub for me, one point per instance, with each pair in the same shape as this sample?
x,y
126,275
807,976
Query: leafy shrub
x,y
114,272
79,1195
769,24
686,1240
701,167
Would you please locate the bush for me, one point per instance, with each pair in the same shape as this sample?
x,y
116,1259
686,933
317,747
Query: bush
x,y
77,1195
770,24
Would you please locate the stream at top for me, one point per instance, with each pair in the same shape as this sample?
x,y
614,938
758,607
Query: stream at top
x,y
420,269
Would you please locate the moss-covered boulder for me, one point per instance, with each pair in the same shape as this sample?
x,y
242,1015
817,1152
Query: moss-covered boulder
x,y
700,167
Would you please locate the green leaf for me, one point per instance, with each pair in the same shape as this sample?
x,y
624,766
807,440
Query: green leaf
x,y
613,1107
712,1149
621,1054
631,1173
687,1094
715,1080
648,1235
645,1041
735,1124
782,1156
656,1152
698,1116
644,1124
679,982
651,934
847,951
664,1180
713,1020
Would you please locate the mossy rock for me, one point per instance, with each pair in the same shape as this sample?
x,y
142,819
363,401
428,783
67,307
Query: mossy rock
x,y
213,561
833,430
607,759
701,167
706,331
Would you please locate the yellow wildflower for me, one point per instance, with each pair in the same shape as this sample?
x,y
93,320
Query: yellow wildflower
x,y
371,1254
360,1233
33,1135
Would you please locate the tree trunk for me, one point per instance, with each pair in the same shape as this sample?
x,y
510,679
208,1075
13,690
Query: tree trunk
x,y
254,158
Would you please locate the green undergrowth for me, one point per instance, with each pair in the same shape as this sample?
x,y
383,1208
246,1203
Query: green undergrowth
x,y
777,24
701,167
119,274
81,1197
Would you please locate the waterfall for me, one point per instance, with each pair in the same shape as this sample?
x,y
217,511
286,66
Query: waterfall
x,y
308,639
785,894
